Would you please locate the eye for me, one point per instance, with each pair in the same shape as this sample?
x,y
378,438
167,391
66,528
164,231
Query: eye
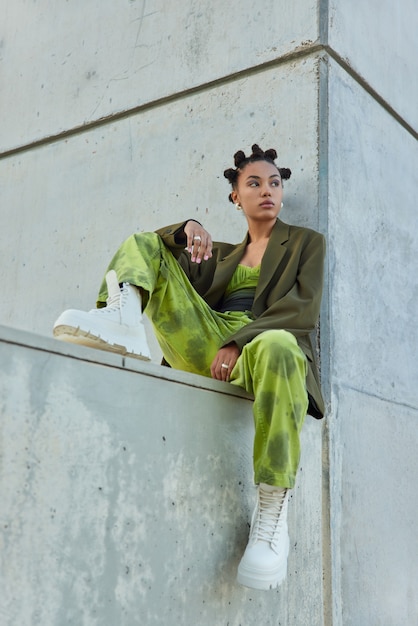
x,y
276,183
253,183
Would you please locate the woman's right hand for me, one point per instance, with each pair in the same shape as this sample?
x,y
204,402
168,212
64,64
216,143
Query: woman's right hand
x,y
199,242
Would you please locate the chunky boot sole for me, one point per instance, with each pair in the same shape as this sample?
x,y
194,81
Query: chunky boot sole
x,y
261,579
119,344
252,572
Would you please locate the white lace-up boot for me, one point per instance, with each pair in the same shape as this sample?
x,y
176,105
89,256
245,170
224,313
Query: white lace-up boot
x,y
264,563
118,327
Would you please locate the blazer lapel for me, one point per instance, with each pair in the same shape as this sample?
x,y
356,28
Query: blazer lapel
x,y
273,255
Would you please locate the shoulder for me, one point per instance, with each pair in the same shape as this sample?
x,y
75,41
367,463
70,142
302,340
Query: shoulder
x,y
310,233
301,233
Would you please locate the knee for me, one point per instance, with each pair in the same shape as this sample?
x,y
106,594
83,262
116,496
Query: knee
x,y
276,340
147,237
149,243
280,350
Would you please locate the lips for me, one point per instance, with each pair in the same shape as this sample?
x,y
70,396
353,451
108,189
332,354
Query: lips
x,y
267,204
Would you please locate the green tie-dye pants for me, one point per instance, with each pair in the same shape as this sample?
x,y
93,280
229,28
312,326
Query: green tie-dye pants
x,y
272,367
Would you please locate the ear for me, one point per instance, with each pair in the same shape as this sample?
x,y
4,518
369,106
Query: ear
x,y
234,197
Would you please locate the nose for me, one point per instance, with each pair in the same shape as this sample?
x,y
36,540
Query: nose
x,y
265,190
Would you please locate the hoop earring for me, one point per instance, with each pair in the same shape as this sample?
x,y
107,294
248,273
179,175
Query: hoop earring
x,y
238,206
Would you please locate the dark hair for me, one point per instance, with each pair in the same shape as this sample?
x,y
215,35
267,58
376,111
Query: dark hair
x,y
257,154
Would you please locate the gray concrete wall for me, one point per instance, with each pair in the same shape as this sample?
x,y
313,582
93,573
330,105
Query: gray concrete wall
x,y
372,157
376,40
116,120
105,138
373,238
126,493
66,67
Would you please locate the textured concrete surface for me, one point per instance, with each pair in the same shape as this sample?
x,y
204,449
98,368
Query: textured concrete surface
x,y
375,475
372,245
116,120
126,497
377,40
373,240
66,66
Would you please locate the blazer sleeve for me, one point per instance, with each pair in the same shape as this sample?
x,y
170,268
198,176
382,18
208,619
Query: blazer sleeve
x,y
296,311
174,237
199,274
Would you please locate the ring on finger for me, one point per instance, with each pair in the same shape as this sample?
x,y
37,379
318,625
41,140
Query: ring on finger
x,y
197,238
225,366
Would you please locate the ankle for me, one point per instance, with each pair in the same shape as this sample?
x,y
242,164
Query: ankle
x,y
273,489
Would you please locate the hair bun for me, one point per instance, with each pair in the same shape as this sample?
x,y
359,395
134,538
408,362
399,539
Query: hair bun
x,y
239,157
229,173
256,150
285,173
271,154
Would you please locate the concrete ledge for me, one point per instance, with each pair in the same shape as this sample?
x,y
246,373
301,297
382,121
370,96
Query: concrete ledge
x,y
101,357
127,492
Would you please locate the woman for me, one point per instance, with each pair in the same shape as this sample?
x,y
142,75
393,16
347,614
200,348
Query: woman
x,y
239,313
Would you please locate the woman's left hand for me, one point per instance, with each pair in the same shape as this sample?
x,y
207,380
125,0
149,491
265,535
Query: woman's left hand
x,y
224,362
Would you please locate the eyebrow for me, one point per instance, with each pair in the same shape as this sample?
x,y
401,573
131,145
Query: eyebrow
x,y
259,177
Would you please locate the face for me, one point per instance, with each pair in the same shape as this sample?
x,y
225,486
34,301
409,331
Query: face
x,y
259,191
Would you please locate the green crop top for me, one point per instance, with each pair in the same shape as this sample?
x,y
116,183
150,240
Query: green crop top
x,y
239,295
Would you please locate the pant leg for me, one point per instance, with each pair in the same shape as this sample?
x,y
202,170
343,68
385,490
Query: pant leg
x,y
189,332
273,368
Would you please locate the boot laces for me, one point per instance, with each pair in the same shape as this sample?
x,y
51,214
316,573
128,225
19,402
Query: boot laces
x,y
270,516
117,300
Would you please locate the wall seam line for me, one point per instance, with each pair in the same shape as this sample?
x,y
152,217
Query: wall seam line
x,y
307,50
325,355
358,78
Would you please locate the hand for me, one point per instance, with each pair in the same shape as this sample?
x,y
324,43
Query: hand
x,y
199,242
228,355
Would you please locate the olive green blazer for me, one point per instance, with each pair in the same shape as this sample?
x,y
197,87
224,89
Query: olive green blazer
x,y
288,294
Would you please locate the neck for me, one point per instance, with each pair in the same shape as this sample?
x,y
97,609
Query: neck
x,y
260,230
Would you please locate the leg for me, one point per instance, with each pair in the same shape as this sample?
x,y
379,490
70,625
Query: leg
x,y
188,330
273,368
